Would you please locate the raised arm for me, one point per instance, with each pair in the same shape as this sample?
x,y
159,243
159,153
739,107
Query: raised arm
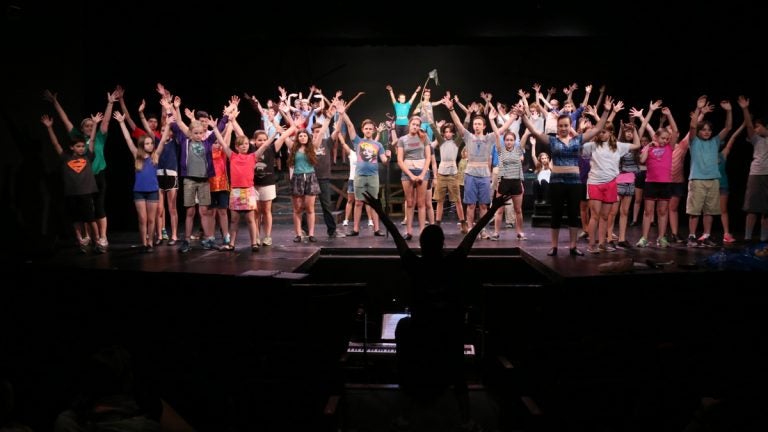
x,y
224,142
608,107
460,130
538,135
47,121
283,137
726,105
111,99
652,106
121,98
391,94
53,98
357,96
96,119
701,102
120,117
727,149
402,246
469,239
636,144
744,104
413,96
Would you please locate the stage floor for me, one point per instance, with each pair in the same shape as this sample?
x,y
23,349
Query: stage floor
x,y
285,258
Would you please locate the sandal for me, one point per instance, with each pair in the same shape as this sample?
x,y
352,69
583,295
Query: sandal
x,y
255,247
226,247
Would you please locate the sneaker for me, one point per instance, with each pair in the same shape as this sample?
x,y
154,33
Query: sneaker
x,y
583,235
267,241
83,244
336,234
662,242
643,242
403,222
624,244
607,248
593,250
345,223
184,248
484,234
207,243
164,235
370,223
707,241
509,225
692,242
521,236
101,246
227,238
494,237
728,238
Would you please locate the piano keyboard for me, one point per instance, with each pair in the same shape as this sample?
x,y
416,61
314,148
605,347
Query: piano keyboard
x,y
391,348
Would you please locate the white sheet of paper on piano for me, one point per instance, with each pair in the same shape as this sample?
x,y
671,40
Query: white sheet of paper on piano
x,y
389,324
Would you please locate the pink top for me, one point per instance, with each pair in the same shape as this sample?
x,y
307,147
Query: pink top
x,y
241,168
659,164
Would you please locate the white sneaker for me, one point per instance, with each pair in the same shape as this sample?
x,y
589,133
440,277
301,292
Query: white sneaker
x,y
267,241
370,223
345,223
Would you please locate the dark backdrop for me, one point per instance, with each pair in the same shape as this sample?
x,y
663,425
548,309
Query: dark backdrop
x,y
206,54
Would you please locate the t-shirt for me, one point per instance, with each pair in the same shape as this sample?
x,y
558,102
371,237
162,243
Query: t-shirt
x,y
99,163
77,174
413,147
704,158
264,172
323,152
367,151
241,168
759,164
604,163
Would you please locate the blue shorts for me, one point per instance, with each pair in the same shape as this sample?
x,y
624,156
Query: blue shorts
x,y
477,190
146,196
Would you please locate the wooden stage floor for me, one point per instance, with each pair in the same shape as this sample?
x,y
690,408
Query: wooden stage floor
x,y
291,260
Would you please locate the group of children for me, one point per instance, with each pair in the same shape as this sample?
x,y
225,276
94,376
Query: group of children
x,y
586,164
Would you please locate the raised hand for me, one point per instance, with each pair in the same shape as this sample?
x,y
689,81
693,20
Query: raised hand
x,y
388,87
49,96
97,118
46,120
743,101
117,115
726,105
701,102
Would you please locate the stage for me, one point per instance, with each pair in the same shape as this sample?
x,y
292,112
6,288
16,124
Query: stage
x,y
288,259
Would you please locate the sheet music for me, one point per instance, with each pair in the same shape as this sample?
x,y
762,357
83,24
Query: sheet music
x,y
389,324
